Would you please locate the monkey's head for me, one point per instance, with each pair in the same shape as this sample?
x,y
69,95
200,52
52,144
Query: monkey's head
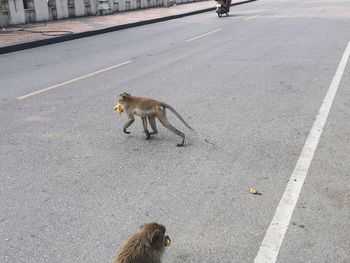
x,y
146,245
123,97
155,235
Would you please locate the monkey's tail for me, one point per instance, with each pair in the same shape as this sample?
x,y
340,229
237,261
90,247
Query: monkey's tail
x,y
187,125
178,115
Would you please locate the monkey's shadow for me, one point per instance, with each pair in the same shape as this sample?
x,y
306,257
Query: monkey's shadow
x,y
159,140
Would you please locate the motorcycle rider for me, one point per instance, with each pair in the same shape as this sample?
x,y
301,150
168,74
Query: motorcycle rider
x,y
224,6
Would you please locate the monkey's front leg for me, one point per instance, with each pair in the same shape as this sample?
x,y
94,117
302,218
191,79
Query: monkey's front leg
x,y
144,123
128,123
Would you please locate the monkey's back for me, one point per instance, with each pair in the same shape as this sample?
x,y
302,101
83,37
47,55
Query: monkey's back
x,y
137,251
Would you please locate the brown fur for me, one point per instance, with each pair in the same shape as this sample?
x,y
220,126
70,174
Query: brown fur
x,y
145,246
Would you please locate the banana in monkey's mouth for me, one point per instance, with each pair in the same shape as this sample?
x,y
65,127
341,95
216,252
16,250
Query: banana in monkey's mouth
x,y
118,108
167,241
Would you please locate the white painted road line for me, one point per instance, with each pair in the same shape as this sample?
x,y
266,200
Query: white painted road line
x,y
207,34
71,81
273,9
251,17
274,236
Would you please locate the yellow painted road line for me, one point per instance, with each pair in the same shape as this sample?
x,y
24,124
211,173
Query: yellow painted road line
x,y
72,80
207,34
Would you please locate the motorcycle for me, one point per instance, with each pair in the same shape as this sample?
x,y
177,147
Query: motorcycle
x,y
222,8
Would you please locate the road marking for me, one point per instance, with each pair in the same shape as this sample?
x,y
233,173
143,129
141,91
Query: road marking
x,y
207,34
273,9
274,236
251,17
72,80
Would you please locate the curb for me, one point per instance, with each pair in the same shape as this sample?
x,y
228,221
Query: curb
x,y
44,42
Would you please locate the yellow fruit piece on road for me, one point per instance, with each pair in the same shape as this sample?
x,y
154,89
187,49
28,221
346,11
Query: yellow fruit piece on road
x,y
253,191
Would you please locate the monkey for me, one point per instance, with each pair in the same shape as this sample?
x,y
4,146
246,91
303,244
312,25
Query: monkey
x,y
145,246
149,109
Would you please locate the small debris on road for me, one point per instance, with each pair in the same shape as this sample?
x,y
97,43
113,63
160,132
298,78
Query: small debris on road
x,y
253,191
296,224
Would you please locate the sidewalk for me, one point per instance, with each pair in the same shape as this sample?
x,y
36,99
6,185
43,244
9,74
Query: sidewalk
x,y
26,36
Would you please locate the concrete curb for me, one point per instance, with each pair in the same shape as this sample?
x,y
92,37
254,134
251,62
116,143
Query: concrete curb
x,y
44,42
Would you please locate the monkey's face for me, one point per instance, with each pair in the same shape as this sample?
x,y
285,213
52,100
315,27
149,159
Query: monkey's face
x,y
156,234
122,97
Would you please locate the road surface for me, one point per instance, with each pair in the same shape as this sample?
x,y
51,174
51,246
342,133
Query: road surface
x,y
73,186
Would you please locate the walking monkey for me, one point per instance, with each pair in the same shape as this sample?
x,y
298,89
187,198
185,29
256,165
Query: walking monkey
x,y
149,109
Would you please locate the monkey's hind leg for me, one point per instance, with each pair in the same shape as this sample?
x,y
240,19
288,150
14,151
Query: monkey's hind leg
x,y
152,122
163,120
128,123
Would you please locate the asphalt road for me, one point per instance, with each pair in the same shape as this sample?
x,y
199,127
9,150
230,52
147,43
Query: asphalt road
x,y
73,186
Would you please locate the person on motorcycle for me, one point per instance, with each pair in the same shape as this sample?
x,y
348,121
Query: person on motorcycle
x,y
228,4
224,6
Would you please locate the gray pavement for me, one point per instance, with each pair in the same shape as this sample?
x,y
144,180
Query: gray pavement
x,y
21,37
73,186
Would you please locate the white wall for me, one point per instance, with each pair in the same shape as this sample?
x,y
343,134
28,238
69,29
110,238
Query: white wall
x,y
42,12
79,8
93,7
62,9
17,12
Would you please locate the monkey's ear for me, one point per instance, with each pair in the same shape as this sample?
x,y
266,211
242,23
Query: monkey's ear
x,y
157,237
